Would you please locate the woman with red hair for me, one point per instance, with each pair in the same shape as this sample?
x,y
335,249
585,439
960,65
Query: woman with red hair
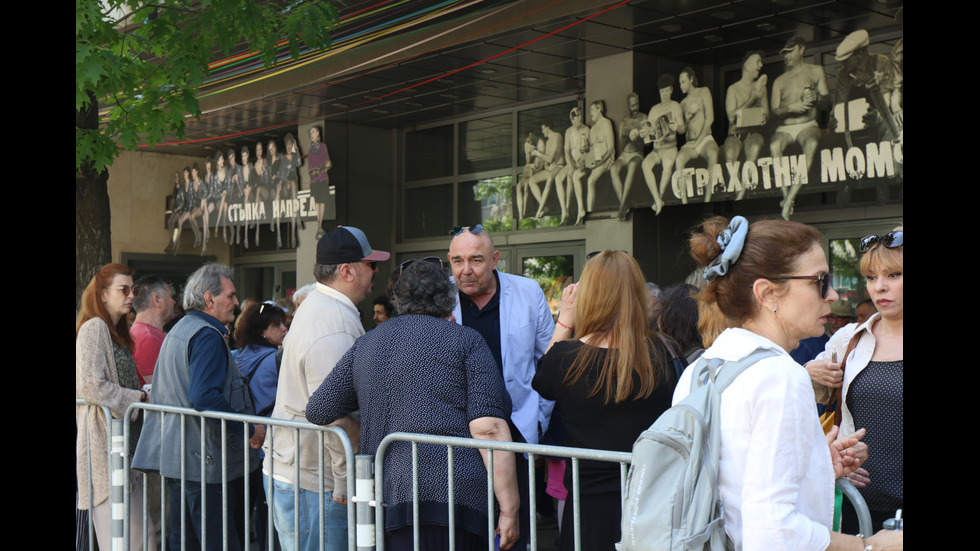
x,y
105,375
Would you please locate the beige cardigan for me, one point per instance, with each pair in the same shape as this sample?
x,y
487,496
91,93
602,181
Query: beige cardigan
x,y
96,382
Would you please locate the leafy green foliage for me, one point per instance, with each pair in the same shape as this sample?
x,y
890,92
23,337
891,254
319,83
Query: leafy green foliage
x,y
144,62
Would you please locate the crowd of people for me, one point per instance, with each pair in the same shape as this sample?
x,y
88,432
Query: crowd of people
x,y
462,349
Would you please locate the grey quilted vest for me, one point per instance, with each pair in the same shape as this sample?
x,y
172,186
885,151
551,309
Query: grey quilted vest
x,y
161,450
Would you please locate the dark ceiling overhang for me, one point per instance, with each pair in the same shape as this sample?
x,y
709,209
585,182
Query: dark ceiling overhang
x,y
492,55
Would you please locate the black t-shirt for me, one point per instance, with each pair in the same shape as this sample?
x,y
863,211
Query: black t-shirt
x,y
486,321
590,422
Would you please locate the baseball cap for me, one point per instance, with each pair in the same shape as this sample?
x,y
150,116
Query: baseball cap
x,y
347,244
794,41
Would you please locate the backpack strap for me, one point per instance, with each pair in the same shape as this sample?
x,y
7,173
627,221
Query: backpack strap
x,y
711,369
248,378
722,380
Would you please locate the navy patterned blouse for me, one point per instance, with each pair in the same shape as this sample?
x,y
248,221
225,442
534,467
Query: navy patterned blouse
x,y
419,374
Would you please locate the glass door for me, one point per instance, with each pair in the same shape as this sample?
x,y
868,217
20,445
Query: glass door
x,y
554,267
844,255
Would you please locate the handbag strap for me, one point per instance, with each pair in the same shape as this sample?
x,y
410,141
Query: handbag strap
x,y
837,394
675,360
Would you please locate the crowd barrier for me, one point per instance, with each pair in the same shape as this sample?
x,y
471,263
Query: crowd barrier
x,y
366,489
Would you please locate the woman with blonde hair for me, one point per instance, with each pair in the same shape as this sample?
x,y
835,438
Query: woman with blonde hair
x,y
871,379
611,382
105,375
771,282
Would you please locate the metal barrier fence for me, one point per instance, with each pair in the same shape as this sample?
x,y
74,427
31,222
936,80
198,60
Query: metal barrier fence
x,y
365,494
92,410
119,457
532,451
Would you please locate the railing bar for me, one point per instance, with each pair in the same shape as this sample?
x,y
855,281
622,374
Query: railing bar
x,y
531,480
451,497
490,510
416,542
321,462
576,509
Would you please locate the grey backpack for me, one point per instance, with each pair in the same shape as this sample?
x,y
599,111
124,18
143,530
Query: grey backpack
x,y
672,500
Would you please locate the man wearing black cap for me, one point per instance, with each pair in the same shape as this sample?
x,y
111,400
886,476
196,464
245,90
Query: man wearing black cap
x,y
796,95
322,331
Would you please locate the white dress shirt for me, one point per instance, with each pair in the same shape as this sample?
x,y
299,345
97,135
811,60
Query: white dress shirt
x,y
776,478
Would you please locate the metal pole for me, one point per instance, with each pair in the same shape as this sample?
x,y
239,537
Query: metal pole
x,y
364,502
860,507
117,489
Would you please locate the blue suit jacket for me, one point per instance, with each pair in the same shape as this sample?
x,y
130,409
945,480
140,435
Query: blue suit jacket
x,y
526,327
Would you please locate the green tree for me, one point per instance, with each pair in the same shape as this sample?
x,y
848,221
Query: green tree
x,y
142,65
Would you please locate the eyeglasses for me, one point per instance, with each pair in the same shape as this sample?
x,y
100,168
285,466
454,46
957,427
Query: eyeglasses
x,y
126,289
371,263
890,240
456,230
407,263
597,253
823,279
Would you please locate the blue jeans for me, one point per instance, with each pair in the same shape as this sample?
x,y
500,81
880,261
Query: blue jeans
x,y
308,537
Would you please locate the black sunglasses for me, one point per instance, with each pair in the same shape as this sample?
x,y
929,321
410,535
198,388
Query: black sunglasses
x,y
824,280
890,240
456,230
407,263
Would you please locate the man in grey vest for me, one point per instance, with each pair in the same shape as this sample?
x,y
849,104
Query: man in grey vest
x,y
195,369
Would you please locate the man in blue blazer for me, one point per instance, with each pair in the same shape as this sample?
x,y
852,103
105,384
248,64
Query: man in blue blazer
x,y
512,314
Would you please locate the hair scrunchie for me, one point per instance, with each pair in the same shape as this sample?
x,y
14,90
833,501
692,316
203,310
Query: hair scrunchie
x,y
732,239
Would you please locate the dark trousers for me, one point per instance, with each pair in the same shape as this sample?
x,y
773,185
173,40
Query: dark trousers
x,y
432,538
213,518
524,489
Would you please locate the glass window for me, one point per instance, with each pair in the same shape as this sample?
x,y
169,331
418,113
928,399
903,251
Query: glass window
x,y
528,202
485,144
429,153
531,119
553,273
488,202
844,265
428,211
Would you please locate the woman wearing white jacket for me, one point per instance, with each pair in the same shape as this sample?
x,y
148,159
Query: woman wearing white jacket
x,y
871,379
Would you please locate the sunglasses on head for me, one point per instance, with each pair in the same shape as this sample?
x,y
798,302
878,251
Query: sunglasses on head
x,y
823,280
890,240
597,253
433,259
456,230
270,304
